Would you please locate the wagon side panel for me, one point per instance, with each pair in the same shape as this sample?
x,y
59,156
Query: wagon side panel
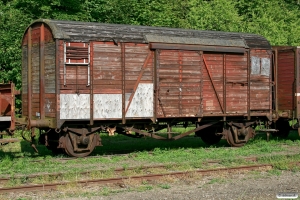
x,y
122,81
213,90
179,83
286,78
297,95
225,80
50,78
260,81
107,81
38,73
74,80
138,81
35,72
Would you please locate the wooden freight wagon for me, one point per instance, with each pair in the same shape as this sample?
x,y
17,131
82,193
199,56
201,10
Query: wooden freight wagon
x,y
7,112
287,82
79,78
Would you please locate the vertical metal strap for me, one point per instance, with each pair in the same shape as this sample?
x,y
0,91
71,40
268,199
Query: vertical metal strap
x,y
248,85
276,79
65,61
157,99
29,78
57,81
270,86
155,84
13,107
90,77
42,72
123,82
224,84
89,63
200,114
180,82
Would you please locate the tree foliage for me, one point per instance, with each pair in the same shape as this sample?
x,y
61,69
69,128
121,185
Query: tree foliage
x,y
218,15
277,20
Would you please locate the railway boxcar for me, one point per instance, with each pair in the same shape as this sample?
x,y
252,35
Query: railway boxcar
x,y
79,78
287,87
7,111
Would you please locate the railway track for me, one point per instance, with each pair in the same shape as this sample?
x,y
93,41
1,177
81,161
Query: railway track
x,y
120,180
118,170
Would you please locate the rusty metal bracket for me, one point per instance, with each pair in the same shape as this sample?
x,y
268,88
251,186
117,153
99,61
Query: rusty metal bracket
x,y
82,131
161,105
32,141
152,135
242,125
194,130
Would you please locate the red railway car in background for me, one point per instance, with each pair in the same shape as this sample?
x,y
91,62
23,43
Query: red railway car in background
x,y
79,78
287,87
7,111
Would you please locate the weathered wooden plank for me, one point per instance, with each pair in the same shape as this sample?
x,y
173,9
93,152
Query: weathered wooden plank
x,y
50,71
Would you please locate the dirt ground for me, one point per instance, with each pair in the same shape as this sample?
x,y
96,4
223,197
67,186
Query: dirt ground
x,y
243,186
261,185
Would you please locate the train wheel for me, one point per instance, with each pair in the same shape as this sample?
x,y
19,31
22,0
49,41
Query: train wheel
x,y
209,136
80,146
238,137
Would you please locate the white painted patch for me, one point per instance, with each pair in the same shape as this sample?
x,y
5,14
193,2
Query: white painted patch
x,y
107,106
5,119
73,106
142,101
297,94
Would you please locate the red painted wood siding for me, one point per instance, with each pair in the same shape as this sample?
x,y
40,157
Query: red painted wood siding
x,y
179,83
286,78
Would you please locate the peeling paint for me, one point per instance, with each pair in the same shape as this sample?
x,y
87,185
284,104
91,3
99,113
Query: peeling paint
x,y
142,102
107,106
73,106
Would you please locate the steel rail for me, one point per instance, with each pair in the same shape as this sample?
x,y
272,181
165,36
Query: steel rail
x,y
5,179
117,170
120,180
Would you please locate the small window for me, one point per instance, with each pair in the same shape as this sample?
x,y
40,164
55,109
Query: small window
x,y
260,66
265,66
76,53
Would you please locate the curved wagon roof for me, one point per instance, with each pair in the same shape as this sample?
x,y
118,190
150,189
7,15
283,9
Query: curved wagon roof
x,y
91,31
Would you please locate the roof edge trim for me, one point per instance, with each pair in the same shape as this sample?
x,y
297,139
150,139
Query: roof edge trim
x,y
56,31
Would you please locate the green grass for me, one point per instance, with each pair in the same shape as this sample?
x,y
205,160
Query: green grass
x,y
164,186
187,153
